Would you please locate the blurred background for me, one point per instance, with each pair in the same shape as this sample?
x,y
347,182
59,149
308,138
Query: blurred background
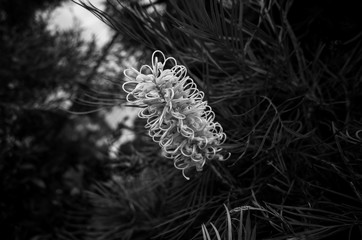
x,y
58,135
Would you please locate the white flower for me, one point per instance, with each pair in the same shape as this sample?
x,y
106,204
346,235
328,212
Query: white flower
x,y
177,117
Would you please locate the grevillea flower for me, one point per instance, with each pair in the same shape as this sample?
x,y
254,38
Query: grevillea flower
x,y
177,117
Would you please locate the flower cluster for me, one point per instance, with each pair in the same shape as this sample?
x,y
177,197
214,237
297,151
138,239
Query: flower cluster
x,y
177,117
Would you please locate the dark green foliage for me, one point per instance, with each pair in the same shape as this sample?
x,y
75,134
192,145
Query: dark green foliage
x,y
47,157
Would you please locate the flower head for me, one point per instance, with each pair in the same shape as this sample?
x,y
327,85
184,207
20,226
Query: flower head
x,y
177,117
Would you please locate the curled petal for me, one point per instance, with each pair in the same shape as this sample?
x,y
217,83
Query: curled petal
x,y
145,69
183,174
185,130
131,73
144,78
177,116
181,162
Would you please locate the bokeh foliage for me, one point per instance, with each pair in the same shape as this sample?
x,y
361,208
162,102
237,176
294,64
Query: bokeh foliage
x,y
48,157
